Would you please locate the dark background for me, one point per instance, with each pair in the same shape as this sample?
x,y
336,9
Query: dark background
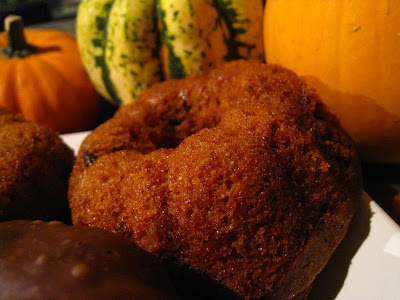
x,y
38,11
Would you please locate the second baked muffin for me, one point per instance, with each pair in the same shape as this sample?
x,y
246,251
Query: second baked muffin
x,y
35,166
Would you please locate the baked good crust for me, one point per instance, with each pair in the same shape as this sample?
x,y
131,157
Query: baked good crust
x,y
241,173
35,166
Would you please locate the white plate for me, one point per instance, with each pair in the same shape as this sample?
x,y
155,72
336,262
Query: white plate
x,y
366,265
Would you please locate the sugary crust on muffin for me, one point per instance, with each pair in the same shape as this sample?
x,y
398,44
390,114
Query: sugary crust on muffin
x,y
240,173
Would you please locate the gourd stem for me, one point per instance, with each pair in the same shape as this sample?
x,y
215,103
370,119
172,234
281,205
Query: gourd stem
x,y
17,46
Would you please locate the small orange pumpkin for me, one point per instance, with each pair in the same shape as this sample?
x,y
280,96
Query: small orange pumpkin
x,y
350,52
46,81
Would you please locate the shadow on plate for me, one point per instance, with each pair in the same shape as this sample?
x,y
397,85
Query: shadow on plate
x,y
329,282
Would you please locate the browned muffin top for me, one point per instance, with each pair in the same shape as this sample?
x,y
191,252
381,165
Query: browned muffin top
x,y
240,173
35,166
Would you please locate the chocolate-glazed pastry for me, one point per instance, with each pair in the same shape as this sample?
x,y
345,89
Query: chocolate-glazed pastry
x,y
50,260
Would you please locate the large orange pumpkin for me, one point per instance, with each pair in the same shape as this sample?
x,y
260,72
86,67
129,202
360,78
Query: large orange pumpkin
x,y
350,52
46,82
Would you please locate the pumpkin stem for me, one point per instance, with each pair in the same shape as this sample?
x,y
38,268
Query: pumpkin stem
x,y
17,46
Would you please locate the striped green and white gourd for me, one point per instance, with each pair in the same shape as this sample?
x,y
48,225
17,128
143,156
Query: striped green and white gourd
x,y
192,38
245,31
201,34
119,44
128,45
91,25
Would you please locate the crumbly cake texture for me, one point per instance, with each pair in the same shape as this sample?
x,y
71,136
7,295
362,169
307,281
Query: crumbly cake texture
x,y
35,166
240,173
50,260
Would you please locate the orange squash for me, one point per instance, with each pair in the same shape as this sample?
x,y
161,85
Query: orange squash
x,y
350,52
46,81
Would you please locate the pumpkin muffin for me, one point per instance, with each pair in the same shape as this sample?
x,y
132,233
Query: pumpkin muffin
x,y
35,166
240,173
